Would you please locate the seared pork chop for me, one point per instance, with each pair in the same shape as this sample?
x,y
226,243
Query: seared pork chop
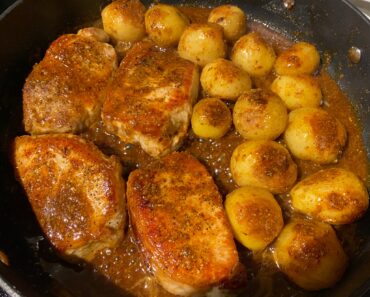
x,y
76,192
150,99
178,218
63,93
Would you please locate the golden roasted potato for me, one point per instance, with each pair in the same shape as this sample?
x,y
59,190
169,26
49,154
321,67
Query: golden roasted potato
x,y
94,33
255,217
123,20
260,114
211,118
310,254
253,54
165,24
298,91
231,18
335,196
202,43
221,78
300,58
265,164
314,134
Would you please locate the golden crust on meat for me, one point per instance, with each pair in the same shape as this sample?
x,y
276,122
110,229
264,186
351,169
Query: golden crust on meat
x,y
63,93
150,99
178,218
76,192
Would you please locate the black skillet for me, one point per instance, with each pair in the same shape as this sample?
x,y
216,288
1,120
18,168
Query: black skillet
x,y
30,25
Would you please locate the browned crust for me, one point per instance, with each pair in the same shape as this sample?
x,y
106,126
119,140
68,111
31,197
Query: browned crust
x,y
75,191
128,112
177,213
63,92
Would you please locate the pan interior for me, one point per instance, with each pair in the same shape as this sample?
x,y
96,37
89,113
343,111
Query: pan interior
x,y
30,27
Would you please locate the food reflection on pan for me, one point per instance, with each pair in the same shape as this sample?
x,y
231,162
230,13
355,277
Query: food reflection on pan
x,y
181,149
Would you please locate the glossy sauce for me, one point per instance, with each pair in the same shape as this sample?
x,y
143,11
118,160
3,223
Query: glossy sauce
x,y
124,266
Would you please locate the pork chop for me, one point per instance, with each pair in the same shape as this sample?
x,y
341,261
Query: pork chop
x,y
63,93
150,99
178,218
76,192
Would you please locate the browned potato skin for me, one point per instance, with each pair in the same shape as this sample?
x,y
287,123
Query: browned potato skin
x,y
255,216
260,114
300,58
314,134
253,54
202,43
310,254
265,164
123,20
335,196
211,118
298,91
221,78
165,24
231,18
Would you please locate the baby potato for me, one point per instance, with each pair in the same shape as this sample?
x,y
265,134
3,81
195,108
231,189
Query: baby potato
x,y
202,43
310,254
300,58
124,20
221,78
334,195
94,33
298,91
260,114
165,24
253,54
231,18
255,217
265,164
313,134
211,118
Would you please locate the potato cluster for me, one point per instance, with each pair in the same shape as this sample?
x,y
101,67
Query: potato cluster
x,y
281,123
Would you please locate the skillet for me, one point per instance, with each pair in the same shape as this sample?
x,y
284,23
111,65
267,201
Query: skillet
x,y
27,29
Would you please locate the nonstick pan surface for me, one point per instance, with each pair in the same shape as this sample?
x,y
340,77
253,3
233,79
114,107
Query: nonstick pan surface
x,y
28,28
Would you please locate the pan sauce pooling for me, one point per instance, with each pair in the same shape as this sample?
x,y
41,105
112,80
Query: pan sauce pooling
x,y
255,110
